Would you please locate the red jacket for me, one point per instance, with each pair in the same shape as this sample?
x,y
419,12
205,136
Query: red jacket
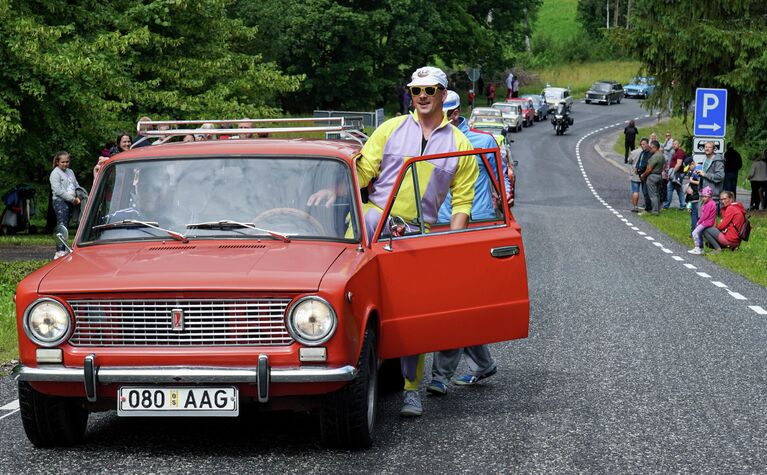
x,y
733,217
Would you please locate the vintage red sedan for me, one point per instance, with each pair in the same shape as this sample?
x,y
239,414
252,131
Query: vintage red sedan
x,y
528,110
200,279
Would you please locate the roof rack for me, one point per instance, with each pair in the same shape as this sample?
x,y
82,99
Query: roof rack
x,y
347,127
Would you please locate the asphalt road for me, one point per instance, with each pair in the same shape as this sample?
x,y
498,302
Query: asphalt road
x,y
636,362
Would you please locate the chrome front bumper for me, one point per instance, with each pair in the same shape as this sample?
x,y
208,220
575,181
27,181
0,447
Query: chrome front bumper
x,y
262,375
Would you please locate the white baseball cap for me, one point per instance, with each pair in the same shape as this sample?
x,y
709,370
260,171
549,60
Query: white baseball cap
x,y
452,101
428,76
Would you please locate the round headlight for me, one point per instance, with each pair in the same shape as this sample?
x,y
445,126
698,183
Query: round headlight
x,y
47,322
312,321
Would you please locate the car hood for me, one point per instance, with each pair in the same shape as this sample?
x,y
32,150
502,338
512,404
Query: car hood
x,y
220,266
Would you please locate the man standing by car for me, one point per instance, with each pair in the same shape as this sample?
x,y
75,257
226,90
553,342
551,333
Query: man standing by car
x,y
652,175
480,361
426,131
732,165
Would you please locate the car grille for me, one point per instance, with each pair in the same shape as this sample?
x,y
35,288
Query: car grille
x,y
598,97
206,322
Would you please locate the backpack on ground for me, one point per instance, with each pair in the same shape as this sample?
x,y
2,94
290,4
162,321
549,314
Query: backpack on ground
x,y
745,230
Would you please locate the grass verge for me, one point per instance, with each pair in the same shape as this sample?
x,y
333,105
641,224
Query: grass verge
x,y
750,260
10,275
579,77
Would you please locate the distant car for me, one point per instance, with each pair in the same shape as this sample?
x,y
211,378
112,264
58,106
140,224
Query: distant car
x,y
540,106
555,95
640,86
608,92
528,112
498,130
513,117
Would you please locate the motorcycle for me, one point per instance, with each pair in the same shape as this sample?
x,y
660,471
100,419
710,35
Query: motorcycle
x,y
561,121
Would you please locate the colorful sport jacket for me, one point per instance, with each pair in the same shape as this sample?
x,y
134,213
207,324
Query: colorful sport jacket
x,y
399,139
482,207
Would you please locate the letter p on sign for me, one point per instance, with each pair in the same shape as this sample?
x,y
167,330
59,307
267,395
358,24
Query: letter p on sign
x,y
710,102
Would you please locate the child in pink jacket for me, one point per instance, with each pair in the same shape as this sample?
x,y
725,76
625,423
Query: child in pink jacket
x,y
707,219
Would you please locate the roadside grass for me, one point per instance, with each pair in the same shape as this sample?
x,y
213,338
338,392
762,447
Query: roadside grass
x,y
680,131
31,240
579,77
750,260
557,19
10,275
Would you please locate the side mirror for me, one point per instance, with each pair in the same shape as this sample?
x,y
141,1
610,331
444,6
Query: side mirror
x,y
397,227
63,241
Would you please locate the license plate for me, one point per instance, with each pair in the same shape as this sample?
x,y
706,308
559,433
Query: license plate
x,y
153,401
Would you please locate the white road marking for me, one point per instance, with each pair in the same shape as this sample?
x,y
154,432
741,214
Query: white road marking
x,y
677,258
736,295
635,228
10,406
9,414
656,243
719,284
667,251
642,233
758,309
649,238
690,266
704,275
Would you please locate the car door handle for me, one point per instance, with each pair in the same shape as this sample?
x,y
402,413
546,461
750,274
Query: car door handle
x,y
504,251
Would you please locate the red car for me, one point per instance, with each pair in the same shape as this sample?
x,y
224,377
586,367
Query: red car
x,y
200,280
528,110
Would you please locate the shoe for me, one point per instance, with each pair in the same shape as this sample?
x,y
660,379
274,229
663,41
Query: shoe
x,y
469,379
666,207
635,210
411,406
438,388
59,255
696,250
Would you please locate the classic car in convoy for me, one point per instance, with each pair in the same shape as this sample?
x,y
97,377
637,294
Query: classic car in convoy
x,y
497,128
608,92
512,114
528,112
640,87
201,279
540,106
555,95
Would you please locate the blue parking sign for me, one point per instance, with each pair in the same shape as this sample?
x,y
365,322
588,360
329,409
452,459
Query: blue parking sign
x,y
710,112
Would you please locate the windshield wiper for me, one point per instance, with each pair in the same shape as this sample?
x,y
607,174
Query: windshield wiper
x,y
228,223
134,223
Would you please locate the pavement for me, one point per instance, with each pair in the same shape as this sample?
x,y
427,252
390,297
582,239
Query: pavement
x,y
640,359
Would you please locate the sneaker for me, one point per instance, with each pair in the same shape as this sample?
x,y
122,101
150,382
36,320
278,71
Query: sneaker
x,y
634,210
411,406
59,255
696,250
469,379
438,388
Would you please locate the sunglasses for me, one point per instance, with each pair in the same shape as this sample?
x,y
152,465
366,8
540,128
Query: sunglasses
x,y
429,90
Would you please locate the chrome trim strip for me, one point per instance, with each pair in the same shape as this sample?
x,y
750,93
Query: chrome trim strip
x,y
184,374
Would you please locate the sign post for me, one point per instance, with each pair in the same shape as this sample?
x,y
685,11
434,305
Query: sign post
x,y
473,74
710,120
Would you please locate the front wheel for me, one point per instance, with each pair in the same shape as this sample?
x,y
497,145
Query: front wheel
x,y
51,421
347,417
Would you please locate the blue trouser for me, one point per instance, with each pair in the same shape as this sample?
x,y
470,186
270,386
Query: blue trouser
x,y
63,211
693,215
670,195
445,363
731,183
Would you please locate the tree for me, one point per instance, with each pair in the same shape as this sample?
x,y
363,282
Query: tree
x,y
705,43
74,73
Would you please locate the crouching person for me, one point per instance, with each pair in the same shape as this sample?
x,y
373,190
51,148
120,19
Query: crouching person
x,y
725,234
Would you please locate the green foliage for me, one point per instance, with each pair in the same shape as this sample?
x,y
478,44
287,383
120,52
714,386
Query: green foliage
x,y
357,54
73,74
712,43
10,275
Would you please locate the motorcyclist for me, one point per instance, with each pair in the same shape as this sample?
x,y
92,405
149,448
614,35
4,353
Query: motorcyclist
x,y
561,118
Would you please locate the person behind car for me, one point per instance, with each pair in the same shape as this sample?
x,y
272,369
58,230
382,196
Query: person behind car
x,y
141,139
63,187
480,361
725,234
425,131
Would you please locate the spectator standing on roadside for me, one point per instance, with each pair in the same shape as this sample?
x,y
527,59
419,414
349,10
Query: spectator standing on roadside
x,y
471,96
629,139
725,234
636,181
692,196
515,88
652,175
758,178
712,173
675,175
707,219
490,93
63,187
733,162
510,85
641,166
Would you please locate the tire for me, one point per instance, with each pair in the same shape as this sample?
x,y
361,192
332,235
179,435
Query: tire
x,y
51,421
347,416
588,101
619,100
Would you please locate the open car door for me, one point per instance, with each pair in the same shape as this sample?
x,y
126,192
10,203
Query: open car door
x,y
443,288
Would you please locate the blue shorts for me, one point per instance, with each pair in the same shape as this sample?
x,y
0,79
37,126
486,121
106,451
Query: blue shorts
x,y
635,186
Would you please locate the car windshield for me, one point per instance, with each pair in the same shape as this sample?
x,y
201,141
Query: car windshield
x,y
506,108
551,94
212,197
600,86
536,100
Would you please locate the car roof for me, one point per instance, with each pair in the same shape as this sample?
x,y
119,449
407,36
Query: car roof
x,y
606,81
295,147
556,89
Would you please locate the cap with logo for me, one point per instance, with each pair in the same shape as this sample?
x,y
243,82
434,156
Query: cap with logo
x,y
428,76
452,101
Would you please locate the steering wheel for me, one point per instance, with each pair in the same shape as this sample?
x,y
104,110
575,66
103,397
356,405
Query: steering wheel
x,y
278,219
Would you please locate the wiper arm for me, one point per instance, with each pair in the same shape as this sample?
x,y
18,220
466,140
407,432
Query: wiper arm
x,y
228,223
134,223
